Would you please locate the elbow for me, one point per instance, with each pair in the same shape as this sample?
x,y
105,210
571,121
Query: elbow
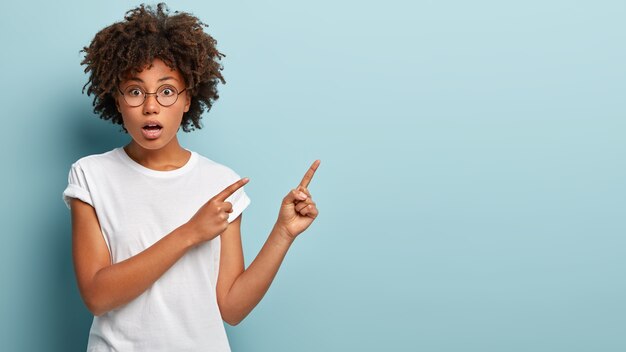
x,y
230,317
231,320
96,299
232,313
95,305
95,309
97,313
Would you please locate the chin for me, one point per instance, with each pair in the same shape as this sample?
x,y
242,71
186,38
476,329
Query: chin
x,y
154,144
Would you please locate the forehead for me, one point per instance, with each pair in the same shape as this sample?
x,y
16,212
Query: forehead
x,y
155,72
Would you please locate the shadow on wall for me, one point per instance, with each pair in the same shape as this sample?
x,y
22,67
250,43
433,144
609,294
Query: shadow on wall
x,y
68,320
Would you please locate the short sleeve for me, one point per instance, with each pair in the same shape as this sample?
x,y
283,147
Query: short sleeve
x,y
239,200
77,186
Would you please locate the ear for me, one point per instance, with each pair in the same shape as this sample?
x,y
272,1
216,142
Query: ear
x,y
187,101
116,97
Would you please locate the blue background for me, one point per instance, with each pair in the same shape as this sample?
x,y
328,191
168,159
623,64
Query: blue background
x,y
471,190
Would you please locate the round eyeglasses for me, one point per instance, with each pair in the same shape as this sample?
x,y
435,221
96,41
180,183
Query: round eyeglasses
x,y
166,95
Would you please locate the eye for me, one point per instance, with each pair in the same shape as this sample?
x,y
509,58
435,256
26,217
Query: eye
x,y
134,92
167,91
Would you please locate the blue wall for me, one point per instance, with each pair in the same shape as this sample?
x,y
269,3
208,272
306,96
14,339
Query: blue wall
x,y
471,190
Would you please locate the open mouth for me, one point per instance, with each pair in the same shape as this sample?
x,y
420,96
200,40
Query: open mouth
x,y
152,130
152,127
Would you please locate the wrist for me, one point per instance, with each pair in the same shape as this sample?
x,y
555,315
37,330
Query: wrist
x,y
283,235
188,235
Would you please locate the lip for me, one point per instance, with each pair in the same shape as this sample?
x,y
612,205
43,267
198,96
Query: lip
x,y
151,134
152,122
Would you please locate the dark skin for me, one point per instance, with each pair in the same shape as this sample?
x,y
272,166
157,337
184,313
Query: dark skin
x,y
125,47
105,286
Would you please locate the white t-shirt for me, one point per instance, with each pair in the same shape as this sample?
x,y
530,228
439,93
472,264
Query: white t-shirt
x,y
136,206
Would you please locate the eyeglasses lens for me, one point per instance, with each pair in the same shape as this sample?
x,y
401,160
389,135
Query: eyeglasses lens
x,y
166,95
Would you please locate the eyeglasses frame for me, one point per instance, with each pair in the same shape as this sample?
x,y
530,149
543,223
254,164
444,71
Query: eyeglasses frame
x,y
156,94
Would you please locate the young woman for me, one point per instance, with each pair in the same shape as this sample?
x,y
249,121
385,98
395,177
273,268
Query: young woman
x,y
156,227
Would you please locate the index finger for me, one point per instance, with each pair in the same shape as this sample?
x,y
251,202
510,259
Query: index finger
x,y
228,191
309,174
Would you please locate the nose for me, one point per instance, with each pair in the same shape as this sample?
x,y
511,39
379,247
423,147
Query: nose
x,y
150,105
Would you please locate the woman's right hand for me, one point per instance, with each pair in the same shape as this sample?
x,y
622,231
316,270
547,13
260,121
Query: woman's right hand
x,y
212,218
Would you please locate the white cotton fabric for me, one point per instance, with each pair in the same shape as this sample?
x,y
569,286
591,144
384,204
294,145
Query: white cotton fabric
x,y
136,206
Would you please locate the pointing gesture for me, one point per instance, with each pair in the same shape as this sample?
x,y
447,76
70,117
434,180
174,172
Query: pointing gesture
x,y
228,191
309,174
298,210
212,218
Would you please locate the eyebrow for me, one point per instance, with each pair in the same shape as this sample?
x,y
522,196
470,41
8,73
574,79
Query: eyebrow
x,y
160,79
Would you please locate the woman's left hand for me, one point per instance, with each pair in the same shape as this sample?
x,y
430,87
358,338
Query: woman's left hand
x,y
298,210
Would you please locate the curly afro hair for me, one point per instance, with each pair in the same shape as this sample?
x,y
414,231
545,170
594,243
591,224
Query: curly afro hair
x,y
127,47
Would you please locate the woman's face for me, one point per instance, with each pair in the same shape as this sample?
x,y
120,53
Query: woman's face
x,y
151,124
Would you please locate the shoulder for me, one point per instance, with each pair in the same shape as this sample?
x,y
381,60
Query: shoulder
x,y
215,168
101,160
217,177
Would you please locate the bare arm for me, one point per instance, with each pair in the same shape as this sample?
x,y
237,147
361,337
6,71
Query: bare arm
x,y
105,286
239,290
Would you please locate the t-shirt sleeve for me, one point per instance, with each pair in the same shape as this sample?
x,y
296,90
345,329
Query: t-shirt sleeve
x,y
239,200
77,186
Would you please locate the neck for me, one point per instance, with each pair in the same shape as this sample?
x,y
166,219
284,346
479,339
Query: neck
x,y
172,156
